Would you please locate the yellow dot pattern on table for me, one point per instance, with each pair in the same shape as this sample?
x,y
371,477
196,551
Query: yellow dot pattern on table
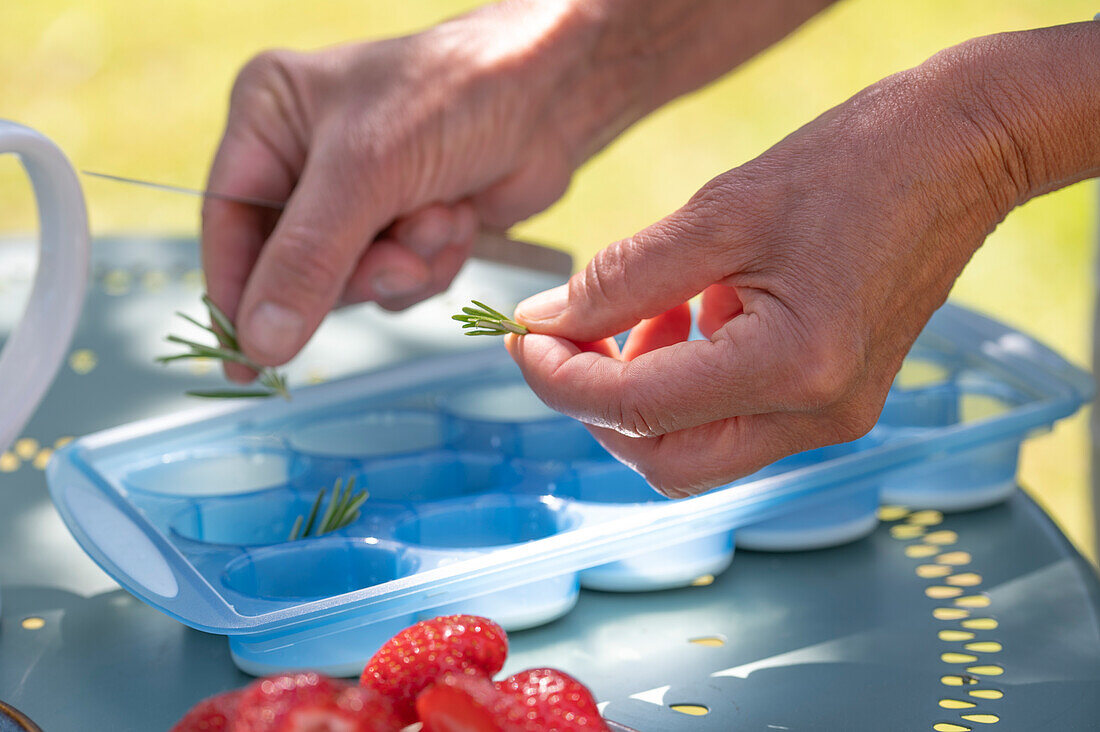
x,y
957,680
967,579
989,670
933,571
694,710
950,584
194,279
83,361
982,718
939,592
26,448
9,462
952,657
154,281
200,366
892,513
906,531
980,624
117,282
955,559
29,451
950,613
986,694
33,623
713,641
316,376
956,704
925,518
42,459
706,579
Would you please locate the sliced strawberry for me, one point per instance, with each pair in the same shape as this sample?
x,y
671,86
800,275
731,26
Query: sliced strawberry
x,y
423,653
212,714
553,700
465,703
266,703
352,710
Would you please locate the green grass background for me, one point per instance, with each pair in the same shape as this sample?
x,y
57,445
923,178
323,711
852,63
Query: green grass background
x,y
140,88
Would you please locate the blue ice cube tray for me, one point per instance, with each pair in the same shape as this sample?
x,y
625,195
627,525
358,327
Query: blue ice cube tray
x,y
481,500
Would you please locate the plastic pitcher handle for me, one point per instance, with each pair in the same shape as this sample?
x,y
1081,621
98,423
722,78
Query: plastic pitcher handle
x,y
38,344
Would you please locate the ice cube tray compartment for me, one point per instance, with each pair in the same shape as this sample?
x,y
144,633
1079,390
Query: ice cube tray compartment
x,y
819,522
483,500
603,489
960,477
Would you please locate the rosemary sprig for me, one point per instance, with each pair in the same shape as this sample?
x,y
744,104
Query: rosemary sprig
x,y
484,320
342,510
227,349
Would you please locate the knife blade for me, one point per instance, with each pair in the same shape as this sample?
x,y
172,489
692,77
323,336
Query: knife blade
x,y
488,246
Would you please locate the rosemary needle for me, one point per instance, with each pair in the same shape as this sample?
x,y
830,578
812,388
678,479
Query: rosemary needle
x,y
342,510
228,349
480,319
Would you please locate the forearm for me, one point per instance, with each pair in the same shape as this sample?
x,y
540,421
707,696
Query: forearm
x,y
1034,97
598,66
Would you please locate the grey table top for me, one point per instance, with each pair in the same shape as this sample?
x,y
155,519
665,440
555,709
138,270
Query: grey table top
x,y
841,639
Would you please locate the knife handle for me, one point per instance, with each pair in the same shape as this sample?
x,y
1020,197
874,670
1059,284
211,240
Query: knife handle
x,y
496,247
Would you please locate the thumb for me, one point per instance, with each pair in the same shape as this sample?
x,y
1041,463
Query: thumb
x,y
634,279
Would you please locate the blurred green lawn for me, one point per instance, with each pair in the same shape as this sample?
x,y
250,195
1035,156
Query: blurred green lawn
x,y
140,88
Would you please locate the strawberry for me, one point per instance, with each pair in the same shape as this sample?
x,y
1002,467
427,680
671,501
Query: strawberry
x,y
266,703
210,715
553,700
352,710
466,703
421,654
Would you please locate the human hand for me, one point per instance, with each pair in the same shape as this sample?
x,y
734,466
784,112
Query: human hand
x,y
392,154
818,263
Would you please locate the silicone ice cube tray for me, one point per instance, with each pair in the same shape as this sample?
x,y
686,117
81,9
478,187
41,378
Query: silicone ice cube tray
x,y
482,500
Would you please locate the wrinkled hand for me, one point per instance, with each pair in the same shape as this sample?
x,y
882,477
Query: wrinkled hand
x,y
391,154
818,262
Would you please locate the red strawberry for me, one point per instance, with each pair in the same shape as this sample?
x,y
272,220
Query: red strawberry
x,y
212,714
423,653
465,703
352,710
265,704
553,700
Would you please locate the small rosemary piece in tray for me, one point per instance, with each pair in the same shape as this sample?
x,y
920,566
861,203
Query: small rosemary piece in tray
x,y
227,349
484,320
342,510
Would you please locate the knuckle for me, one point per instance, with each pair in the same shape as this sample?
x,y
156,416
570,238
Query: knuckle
x,y
636,416
826,373
600,282
267,70
307,264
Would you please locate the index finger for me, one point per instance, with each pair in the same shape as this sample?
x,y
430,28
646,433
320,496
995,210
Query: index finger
x,y
672,388
234,233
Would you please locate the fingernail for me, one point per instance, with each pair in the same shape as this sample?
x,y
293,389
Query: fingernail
x,y
274,330
545,305
390,283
